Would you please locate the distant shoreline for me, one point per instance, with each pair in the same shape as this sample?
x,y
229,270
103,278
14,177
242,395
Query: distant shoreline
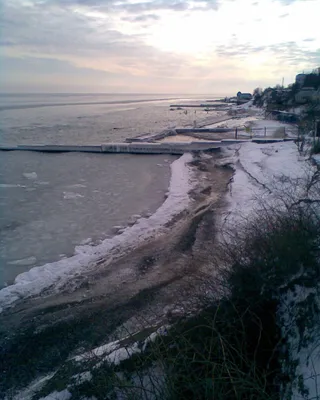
x,y
26,106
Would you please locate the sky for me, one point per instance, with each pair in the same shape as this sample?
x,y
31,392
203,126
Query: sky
x,y
155,46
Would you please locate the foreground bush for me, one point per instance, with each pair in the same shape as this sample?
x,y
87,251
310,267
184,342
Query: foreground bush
x,y
234,348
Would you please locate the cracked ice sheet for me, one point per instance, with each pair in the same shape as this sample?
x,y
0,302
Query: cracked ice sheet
x,y
265,163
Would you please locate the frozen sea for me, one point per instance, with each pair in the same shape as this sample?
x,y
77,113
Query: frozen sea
x,y
50,203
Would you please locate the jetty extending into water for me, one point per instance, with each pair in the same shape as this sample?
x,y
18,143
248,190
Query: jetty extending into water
x,y
132,148
203,105
175,148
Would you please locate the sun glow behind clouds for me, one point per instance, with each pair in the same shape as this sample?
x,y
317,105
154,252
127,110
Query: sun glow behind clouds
x,y
191,33
199,31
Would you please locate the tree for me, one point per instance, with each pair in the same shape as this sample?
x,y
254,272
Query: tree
x,y
257,91
257,97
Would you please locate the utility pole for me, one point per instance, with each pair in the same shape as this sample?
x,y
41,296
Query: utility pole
x,y
282,82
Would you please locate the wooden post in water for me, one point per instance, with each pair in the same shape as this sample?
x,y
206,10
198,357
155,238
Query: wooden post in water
x,y
236,134
265,131
284,132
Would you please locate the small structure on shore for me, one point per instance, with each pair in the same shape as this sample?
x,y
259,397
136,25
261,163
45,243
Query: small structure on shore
x,y
285,116
243,97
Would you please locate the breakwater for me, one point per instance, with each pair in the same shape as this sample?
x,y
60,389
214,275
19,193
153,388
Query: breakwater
x,y
133,148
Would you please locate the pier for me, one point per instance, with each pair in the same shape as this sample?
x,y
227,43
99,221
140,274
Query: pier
x,y
204,130
174,148
204,105
131,148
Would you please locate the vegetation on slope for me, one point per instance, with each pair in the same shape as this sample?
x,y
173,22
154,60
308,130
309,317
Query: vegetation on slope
x,y
235,348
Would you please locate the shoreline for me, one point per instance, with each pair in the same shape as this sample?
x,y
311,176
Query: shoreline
x,y
200,283
86,255
148,283
54,274
167,273
152,274
38,279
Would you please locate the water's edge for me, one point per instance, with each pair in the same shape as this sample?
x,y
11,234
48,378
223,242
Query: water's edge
x,y
56,275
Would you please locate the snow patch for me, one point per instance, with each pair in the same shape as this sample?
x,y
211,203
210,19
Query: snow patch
x,y
30,175
42,183
316,158
78,185
64,395
33,388
85,241
122,354
99,351
233,122
273,127
59,273
10,185
82,377
115,352
255,183
71,195
304,348
24,261
257,166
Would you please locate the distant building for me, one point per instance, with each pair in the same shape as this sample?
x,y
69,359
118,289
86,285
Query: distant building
x,y
305,95
300,78
243,97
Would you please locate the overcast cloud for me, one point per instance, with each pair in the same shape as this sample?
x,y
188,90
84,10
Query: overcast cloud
x,y
189,46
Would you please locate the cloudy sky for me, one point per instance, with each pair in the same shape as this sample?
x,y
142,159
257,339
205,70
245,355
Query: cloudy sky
x,y
155,46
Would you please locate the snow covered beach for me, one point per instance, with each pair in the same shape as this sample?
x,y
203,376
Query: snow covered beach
x,y
144,273
55,274
257,167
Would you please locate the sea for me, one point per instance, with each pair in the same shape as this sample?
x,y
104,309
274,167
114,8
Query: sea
x,y
50,203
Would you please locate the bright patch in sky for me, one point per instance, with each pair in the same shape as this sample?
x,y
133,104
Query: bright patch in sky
x,y
191,34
